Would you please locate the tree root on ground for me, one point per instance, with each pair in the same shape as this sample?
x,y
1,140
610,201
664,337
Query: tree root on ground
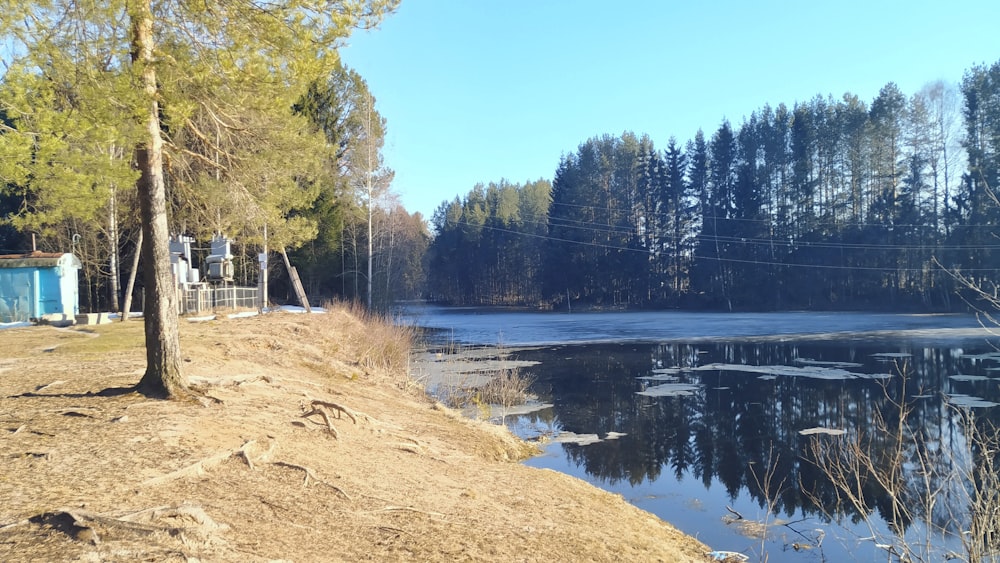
x,y
320,407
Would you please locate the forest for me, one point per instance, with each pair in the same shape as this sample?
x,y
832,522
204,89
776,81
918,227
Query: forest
x,y
832,203
828,204
279,153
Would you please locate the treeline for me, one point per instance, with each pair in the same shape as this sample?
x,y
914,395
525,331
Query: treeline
x,y
832,203
270,172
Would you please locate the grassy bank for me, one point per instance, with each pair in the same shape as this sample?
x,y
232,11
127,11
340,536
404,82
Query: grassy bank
x,y
311,443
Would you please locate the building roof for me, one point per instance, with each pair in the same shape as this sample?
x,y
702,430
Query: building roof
x,y
39,260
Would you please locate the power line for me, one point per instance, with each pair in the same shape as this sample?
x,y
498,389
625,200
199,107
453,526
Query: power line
x,y
695,255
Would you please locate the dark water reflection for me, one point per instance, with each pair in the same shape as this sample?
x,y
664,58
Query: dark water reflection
x,y
696,457
735,428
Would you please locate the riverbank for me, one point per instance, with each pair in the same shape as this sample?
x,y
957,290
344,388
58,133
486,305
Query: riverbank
x,y
376,472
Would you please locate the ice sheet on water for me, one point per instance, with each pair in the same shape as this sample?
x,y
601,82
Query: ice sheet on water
x,y
659,377
988,356
886,356
960,400
822,430
963,377
815,372
671,390
811,362
567,437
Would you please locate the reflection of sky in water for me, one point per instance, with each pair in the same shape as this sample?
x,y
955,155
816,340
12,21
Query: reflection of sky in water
x,y
722,393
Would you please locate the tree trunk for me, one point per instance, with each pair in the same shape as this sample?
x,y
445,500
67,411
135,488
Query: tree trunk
x,y
163,376
113,242
127,307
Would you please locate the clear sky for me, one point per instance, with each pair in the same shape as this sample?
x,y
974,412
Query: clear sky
x,y
483,90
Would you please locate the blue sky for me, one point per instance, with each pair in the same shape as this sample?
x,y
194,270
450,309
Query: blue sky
x,y
482,90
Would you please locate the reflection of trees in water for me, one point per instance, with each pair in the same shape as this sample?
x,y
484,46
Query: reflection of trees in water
x,y
738,424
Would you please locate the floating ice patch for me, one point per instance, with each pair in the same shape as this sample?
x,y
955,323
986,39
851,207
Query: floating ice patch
x,y
671,390
823,430
659,377
960,400
566,437
874,375
614,435
767,377
666,371
990,356
886,356
815,372
527,408
810,362
961,377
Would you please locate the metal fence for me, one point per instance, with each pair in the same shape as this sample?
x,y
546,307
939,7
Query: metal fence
x,y
206,298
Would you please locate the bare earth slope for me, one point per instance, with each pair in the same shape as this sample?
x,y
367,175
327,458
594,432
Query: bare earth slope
x,y
243,476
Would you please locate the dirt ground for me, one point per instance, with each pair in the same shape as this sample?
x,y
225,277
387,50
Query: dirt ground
x,y
89,473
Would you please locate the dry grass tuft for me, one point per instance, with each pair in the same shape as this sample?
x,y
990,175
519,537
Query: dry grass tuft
x,y
383,347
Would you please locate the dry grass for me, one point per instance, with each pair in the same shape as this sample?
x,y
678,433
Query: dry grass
x,y
92,478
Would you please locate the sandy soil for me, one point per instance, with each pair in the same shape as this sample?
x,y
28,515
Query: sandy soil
x,y
246,474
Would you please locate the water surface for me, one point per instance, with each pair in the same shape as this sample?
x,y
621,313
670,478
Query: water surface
x,y
699,417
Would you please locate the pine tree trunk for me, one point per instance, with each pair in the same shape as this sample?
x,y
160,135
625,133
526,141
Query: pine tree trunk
x,y
163,376
113,242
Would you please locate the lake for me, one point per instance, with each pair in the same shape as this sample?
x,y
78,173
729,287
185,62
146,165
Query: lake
x,y
712,421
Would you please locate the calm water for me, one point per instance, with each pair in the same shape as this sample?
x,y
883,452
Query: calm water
x,y
698,416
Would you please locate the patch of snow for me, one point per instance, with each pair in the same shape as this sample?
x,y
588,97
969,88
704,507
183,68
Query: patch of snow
x,y
295,309
244,314
20,324
614,435
203,319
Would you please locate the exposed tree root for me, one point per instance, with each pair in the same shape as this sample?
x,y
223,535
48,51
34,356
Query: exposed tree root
x,y
83,525
200,467
326,418
336,407
320,407
311,474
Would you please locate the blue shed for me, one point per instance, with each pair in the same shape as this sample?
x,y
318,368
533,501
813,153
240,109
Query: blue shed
x,y
37,284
